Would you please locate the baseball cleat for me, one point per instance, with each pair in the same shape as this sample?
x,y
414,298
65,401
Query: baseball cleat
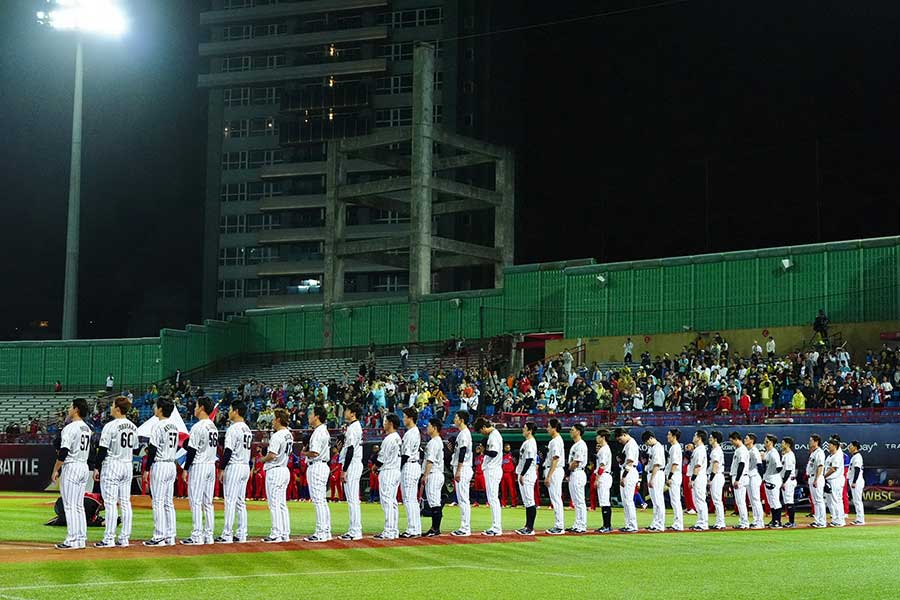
x,y
380,536
223,540
431,533
652,528
579,530
555,531
271,540
155,542
603,530
105,545
347,537
491,533
525,531
314,539
191,542
122,543
408,536
65,546
775,526
858,523
789,526
460,533
741,527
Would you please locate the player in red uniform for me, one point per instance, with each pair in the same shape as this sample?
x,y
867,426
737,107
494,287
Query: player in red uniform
x,y
479,486
302,481
334,479
180,483
508,482
292,492
593,470
373,475
259,476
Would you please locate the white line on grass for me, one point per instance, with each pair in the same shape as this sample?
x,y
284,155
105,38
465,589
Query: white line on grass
x,y
8,597
528,572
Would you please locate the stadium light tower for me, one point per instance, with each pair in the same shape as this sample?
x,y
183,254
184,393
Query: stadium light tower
x,y
83,17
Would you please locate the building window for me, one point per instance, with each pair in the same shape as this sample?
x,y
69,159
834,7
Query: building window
x,y
237,128
231,256
404,50
266,95
231,4
419,17
234,160
259,190
237,32
397,84
262,254
232,224
231,288
231,64
469,87
265,158
263,126
263,222
438,81
269,61
470,54
236,96
233,192
469,120
223,316
269,29
390,217
438,115
260,287
390,283
393,117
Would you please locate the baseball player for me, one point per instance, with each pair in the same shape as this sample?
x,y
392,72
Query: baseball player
x,y
674,478
318,473
235,473
554,472
351,457
716,473
461,463
526,471
604,479
493,472
815,470
629,478
834,482
697,469
200,472
118,441
789,478
656,480
508,483
577,479
740,479
411,473
857,482
161,461
71,470
433,478
755,481
388,466
772,479
281,446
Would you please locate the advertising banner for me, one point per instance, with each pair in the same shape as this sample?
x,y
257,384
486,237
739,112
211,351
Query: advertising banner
x,y
25,467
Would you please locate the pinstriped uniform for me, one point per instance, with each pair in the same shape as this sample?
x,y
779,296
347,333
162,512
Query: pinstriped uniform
x,y
556,449
657,458
629,477
388,481
577,480
202,479
281,444
717,483
604,481
164,438
119,437
698,486
789,463
239,439
526,488
463,440
772,478
317,474
76,436
410,475
434,483
493,473
753,490
353,439
674,478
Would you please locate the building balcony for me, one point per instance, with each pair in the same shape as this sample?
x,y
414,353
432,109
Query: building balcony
x,y
300,40
311,71
316,266
309,131
319,98
293,235
304,299
284,9
305,169
285,203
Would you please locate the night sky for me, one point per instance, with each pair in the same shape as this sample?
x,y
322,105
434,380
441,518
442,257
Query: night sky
x,y
616,123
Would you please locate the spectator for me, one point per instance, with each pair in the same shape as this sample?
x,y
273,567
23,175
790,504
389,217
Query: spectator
x,y
724,404
798,401
628,350
770,348
820,325
404,359
57,388
110,382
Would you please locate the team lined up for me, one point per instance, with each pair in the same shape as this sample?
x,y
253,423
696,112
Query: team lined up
x,y
398,466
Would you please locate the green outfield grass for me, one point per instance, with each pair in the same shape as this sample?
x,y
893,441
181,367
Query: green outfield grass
x,y
846,563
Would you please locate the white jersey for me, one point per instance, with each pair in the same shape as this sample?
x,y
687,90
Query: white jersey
x,y
526,451
76,436
816,460
205,440
434,453
578,453
164,438
494,444
675,458
319,442
741,457
835,460
239,439
631,452
281,444
119,437
604,458
463,440
353,439
789,464
389,455
656,456
753,461
554,449
411,444
773,466
856,462
698,459
716,456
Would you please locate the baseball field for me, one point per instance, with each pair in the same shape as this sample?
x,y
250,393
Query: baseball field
x,y
853,562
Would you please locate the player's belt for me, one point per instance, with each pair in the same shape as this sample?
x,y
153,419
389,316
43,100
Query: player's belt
x,y
160,460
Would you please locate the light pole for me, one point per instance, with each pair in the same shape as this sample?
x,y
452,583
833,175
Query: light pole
x,y
103,17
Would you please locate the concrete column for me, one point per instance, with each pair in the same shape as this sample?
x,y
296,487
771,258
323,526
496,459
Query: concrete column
x,y
421,173
335,223
504,215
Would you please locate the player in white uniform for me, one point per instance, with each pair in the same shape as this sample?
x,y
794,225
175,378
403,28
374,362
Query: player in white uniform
x,y
578,454
114,458
674,478
411,473
834,482
716,474
493,473
526,472
740,478
697,470
161,462
388,465
772,479
318,472
281,446
461,465
604,479
856,482
789,478
656,480
554,472
433,477
755,483
815,476
71,470
235,473
351,458
200,473
628,478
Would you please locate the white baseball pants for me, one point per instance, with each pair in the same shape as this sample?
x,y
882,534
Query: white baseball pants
x,y
276,490
658,498
162,486
201,485
817,497
627,490
577,481
604,484
115,487
836,502
740,501
72,479
409,485
526,490
462,499
756,500
773,494
556,499
317,474
388,481
351,493
698,486
492,479
433,486
787,493
675,501
234,488
856,495
715,490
